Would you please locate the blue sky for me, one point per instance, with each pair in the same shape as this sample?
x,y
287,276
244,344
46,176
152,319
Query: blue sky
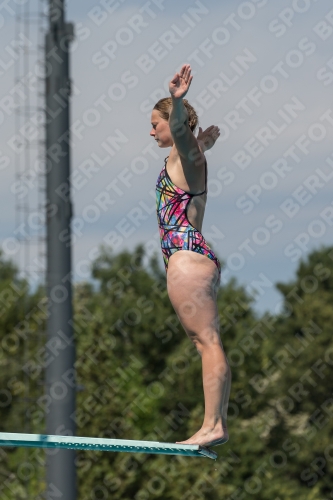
x,y
263,71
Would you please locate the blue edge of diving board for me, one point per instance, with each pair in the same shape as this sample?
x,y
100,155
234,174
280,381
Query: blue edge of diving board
x,y
101,444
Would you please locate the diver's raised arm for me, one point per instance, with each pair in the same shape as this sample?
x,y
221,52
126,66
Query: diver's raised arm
x,y
185,141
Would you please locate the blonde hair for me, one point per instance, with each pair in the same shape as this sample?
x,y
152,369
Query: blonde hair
x,y
163,106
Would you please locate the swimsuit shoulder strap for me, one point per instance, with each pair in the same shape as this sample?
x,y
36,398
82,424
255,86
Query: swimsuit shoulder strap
x,y
205,191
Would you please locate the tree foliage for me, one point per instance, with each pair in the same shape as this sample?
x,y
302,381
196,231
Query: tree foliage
x,y
139,377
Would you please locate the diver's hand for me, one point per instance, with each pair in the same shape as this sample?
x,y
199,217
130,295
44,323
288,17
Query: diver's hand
x,y
207,138
181,82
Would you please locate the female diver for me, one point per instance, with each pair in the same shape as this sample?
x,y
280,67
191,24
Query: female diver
x,y
192,279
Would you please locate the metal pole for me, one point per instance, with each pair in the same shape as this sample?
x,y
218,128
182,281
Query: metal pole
x,y
60,377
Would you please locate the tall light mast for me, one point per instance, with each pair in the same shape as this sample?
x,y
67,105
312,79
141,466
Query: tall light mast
x,y
60,377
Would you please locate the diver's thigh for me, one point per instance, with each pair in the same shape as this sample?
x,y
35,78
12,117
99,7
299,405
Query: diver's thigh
x,y
191,285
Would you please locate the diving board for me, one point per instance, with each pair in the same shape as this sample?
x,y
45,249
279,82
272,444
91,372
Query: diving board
x,y
101,444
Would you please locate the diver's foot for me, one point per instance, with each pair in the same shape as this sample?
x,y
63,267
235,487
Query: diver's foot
x,y
208,437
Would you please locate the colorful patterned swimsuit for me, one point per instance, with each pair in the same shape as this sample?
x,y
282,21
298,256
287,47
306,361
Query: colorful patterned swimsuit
x,y
176,231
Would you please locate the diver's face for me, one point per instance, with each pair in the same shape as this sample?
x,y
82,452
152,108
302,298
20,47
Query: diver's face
x,y
160,130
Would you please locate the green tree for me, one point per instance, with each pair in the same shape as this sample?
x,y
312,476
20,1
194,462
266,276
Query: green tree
x,y
139,377
22,323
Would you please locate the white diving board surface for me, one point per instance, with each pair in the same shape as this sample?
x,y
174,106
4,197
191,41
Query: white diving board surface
x,y
101,444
